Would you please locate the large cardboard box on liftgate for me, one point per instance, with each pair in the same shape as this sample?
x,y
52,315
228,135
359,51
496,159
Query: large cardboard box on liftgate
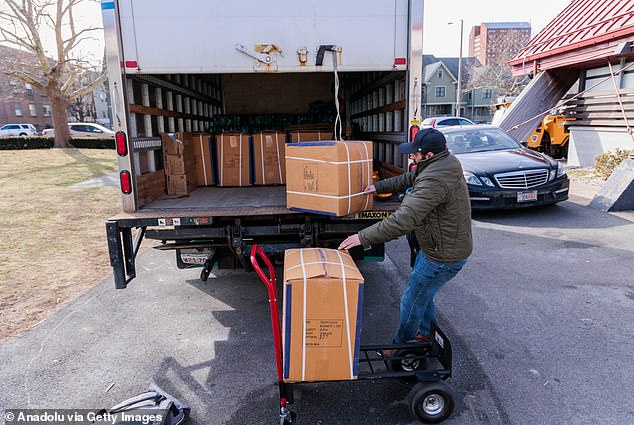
x,y
233,159
329,177
321,326
269,167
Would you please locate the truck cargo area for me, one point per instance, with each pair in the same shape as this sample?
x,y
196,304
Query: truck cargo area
x,y
371,107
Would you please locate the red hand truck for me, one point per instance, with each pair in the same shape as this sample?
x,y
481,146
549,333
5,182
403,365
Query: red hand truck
x,y
426,365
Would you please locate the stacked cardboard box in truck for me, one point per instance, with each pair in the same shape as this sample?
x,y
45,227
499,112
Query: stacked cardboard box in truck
x,y
203,159
329,177
309,135
178,156
150,187
233,162
321,326
269,167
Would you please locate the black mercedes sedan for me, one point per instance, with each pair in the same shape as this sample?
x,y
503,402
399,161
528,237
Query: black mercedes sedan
x,y
501,173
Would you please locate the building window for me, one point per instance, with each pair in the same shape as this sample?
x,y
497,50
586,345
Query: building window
x,y
440,91
18,109
487,93
33,109
29,89
14,87
46,110
440,74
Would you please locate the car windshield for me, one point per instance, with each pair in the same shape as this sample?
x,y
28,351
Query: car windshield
x,y
481,140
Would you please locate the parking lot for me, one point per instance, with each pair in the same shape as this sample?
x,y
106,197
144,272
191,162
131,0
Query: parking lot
x,y
541,321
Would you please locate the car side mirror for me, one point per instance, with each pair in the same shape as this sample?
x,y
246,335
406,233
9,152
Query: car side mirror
x,y
524,143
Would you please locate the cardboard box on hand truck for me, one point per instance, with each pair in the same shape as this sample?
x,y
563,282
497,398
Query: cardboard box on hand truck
x,y
321,325
269,167
233,162
329,177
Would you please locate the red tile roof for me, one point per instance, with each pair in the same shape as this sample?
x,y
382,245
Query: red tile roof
x,y
582,24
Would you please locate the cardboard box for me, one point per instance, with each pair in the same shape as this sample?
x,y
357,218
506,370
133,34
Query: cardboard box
x,y
268,158
176,143
329,177
233,165
322,342
203,159
181,184
310,135
179,164
150,187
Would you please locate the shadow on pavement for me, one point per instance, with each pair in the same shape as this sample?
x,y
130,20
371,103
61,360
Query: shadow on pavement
x,y
564,215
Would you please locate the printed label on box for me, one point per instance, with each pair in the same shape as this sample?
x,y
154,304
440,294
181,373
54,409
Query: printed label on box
x,y
324,333
311,178
268,141
233,141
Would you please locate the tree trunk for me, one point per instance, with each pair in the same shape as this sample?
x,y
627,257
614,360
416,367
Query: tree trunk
x,y
60,121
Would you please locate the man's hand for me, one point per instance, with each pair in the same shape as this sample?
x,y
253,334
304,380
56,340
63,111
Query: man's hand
x,y
350,242
370,189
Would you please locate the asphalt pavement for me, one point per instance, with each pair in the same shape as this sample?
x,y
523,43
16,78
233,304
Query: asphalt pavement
x,y
541,321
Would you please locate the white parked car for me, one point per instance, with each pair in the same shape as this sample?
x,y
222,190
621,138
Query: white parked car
x,y
439,122
18,130
83,129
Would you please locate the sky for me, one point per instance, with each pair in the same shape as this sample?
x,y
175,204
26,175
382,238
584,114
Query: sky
x,y
439,38
443,40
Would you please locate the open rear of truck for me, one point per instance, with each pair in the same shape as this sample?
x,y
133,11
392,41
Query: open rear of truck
x,y
201,66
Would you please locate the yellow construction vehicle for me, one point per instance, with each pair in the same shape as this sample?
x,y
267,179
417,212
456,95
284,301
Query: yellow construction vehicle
x,y
551,135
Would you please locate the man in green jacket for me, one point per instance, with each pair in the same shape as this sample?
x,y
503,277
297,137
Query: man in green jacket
x,y
438,210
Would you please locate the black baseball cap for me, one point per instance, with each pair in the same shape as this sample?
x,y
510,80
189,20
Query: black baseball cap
x,y
426,140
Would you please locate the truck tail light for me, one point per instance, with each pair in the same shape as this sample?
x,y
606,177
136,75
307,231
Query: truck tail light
x,y
122,143
126,182
412,132
400,61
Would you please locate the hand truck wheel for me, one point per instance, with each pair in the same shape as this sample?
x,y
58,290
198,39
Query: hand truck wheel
x,y
288,418
431,403
412,361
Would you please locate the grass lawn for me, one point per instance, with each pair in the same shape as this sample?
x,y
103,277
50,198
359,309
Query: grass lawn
x,y
53,245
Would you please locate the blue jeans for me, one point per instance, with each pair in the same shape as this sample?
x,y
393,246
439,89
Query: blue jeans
x,y
417,302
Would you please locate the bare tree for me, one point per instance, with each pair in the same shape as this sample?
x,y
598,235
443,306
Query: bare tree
x,y
495,77
22,23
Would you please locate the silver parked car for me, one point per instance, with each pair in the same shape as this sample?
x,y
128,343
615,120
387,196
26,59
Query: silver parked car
x,y
18,130
439,122
83,129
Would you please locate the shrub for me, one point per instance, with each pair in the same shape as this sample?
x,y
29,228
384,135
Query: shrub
x,y
606,163
39,142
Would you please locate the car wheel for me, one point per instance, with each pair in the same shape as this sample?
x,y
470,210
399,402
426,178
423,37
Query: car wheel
x,y
22,135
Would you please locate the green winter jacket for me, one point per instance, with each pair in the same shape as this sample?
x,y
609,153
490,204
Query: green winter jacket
x,y
438,210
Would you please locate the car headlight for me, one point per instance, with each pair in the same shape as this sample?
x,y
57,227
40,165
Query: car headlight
x,y
471,178
551,175
560,171
487,181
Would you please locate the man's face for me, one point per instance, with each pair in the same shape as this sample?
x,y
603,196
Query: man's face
x,y
416,157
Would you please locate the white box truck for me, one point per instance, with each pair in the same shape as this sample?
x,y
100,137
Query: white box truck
x,y
178,66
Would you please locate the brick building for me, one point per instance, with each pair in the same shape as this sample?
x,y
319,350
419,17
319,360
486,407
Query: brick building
x,y
20,103
495,43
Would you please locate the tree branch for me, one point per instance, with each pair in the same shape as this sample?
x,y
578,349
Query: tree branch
x,y
27,79
90,87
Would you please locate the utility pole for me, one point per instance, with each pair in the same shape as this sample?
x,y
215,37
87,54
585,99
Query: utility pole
x,y
459,89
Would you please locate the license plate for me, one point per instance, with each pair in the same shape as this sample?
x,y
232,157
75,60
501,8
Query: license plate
x,y
372,215
527,196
